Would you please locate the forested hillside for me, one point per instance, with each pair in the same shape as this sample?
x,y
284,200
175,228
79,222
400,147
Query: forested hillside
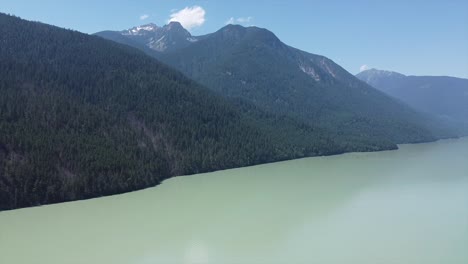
x,y
82,117
252,64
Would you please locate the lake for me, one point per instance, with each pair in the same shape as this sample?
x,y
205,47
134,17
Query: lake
x,y
408,206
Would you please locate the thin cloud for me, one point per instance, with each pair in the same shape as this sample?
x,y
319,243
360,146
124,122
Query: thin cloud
x,y
364,68
189,17
239,20
244,19
231,21
143,17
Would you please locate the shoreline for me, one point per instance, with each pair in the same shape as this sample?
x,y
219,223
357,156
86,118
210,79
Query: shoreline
x,y
235,168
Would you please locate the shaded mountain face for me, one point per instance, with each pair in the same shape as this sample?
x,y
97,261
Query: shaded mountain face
x,y
252,64
168,38
82,117
446,97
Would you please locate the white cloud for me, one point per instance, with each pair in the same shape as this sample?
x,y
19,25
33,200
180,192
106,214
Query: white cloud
x,y
364,68
143,17
189,17
239,20
230,21
244,19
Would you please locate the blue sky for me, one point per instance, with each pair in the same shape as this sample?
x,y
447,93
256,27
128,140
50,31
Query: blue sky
x,y
413,37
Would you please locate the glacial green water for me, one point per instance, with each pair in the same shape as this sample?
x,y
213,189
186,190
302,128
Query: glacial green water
x,y
408,206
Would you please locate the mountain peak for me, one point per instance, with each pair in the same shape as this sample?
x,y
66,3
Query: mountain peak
x,y
232,27
374,73
252,34
169,37
152,25
383,72
140,30
177,28
174,25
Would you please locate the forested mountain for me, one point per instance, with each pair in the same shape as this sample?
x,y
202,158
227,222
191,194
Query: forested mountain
x,y
446,97
167,38
82,117
254,65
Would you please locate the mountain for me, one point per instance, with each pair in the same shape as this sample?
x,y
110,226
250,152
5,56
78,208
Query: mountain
x,y
82,117
252,64
168,38
445,97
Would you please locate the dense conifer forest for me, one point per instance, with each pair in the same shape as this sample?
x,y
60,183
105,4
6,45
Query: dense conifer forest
x,y
83,117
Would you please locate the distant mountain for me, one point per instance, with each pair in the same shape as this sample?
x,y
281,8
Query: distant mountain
x,y
83,117
374,76
252,64
446,97
161,39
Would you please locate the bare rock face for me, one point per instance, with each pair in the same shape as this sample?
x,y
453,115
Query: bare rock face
x,y
167,38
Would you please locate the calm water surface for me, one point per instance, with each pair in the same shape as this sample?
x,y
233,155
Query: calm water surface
x,y
396,207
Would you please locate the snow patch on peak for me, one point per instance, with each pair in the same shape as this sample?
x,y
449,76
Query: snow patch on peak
x,y
168,37
147,28
141,30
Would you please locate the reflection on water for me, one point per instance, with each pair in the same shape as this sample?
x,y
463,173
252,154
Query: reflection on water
x,y
406,206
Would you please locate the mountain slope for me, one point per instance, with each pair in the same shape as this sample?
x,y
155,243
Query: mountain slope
x,y
253,64
150,37
446,97
82,117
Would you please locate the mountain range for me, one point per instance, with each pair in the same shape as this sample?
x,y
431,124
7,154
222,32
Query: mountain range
x,y
252,64
167,38
442,96
83,117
